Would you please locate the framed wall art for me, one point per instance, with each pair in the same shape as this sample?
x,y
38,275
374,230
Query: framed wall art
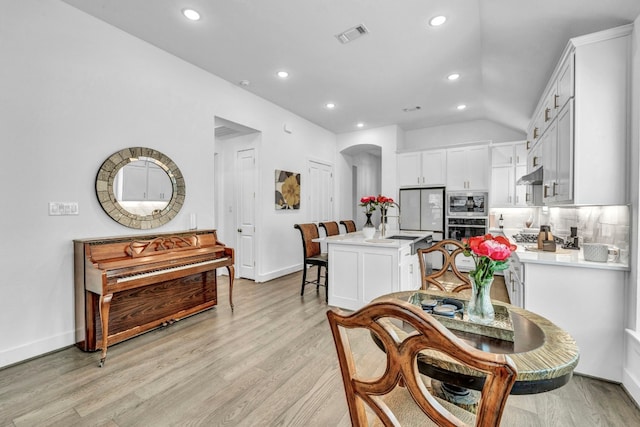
x,y
287,190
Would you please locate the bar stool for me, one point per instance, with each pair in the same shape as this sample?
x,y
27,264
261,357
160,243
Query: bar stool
x,y
349,225
313,256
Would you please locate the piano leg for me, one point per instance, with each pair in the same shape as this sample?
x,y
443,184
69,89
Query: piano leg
x,y
231,271
105,304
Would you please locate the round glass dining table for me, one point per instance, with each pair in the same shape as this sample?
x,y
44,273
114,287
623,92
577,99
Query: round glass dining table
x,y
544,354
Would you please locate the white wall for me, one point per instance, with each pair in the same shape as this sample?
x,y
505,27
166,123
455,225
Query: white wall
x,y
458,133
73,90
387,138
631,364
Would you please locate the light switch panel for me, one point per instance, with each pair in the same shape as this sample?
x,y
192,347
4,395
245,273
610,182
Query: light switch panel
x,y
63,208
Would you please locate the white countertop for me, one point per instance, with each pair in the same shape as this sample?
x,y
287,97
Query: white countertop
x,y
566,257
358,238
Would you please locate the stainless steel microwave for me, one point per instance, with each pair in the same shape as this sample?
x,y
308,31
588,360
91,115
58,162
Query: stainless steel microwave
x,y
468,203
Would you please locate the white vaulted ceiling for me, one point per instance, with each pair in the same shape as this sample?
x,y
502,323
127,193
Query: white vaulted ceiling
x,y
504,50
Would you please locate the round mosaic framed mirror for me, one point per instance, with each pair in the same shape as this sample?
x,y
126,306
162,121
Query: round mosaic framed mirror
x,y
140,188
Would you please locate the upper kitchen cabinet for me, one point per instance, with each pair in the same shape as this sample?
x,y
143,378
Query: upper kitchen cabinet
x,y
579,133
508,163
468,168
425,168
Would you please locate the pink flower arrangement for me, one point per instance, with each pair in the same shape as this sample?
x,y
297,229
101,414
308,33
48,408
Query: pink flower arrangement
x,y
490,254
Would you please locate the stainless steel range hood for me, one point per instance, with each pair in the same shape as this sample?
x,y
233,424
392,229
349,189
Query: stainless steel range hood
x,y
533,178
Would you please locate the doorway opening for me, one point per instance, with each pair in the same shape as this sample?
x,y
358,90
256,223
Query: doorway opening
x,y
236,192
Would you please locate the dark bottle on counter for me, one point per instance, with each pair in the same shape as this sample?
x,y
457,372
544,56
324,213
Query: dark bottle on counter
x,y
501,222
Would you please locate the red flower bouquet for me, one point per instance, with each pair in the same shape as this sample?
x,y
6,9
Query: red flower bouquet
x,y
369,203
489,253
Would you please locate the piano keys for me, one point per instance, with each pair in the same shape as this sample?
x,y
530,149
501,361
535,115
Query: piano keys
x,y
125,286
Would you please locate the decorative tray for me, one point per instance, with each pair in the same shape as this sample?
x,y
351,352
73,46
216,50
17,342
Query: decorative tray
x,y
455,316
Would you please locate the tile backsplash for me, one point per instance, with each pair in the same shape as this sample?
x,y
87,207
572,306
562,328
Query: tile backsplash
x,y
597,224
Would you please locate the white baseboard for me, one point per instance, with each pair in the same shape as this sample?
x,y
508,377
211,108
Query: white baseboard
x,y
36,348
277,273
631,371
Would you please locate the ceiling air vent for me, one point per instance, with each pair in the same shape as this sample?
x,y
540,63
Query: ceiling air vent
x,y
352,33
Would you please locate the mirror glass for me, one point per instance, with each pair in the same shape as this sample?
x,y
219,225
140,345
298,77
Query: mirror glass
x,y
143,186
140,188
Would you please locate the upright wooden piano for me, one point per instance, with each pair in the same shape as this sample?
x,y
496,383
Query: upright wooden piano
x,y
125,286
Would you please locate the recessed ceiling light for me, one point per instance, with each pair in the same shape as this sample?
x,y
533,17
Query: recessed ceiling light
x,y
283,74
461,107
436,21
330,105
453,76
360,125
191,14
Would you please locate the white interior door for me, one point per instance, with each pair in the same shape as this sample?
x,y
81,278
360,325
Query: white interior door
x,y
246,198
320,195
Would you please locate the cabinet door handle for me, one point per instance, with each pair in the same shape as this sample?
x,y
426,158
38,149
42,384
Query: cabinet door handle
x,y
510,160
546,187
535,133
555,101
528,145
554,192
535,160
418,181
547,114
527,197
423,179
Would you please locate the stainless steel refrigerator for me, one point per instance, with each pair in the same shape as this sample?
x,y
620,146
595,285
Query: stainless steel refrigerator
x,y
423,209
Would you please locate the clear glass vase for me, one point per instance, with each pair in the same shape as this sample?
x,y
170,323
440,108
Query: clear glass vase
x,y
480,309
368,229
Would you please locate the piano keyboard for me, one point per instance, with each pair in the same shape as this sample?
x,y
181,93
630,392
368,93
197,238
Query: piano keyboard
x,y
168,270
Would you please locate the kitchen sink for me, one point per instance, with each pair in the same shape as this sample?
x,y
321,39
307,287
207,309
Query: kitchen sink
x,y
403,237
423,242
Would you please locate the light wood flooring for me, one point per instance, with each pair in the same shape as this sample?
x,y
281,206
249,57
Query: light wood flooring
x,y
271,363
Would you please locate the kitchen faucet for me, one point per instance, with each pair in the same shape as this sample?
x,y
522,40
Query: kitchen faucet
x,y
383,225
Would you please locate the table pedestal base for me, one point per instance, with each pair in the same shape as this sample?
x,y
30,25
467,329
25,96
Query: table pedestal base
x,y
463,397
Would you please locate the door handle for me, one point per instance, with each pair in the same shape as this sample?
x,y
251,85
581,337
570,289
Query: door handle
x,y
239,230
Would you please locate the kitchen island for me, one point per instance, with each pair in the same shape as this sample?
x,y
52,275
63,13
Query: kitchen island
x,y
362,269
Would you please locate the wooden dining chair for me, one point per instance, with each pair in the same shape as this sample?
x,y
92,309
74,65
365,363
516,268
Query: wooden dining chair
x,y
399,396
330,228
349,225
312,256
448,278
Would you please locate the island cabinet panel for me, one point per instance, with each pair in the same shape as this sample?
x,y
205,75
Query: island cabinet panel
x,y
345,271
379,273
588,303
361,272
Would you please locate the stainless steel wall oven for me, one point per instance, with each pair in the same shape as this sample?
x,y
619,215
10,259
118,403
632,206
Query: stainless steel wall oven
x,y
463,228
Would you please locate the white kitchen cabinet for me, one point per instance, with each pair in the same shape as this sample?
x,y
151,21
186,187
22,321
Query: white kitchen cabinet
x,y
422,168
563,192
586,136
508,164
589,304
468,168
502,192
